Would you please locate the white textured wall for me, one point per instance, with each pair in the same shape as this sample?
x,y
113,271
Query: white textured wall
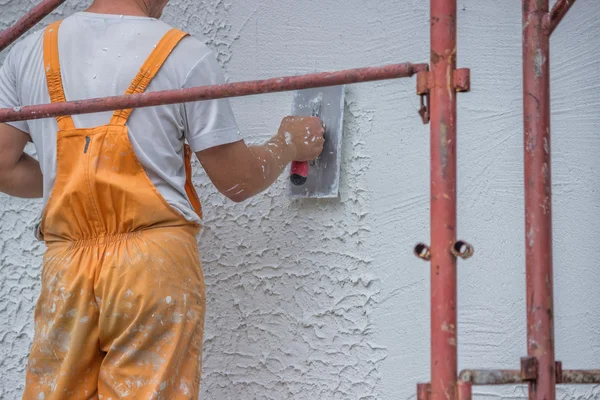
x,y
346,315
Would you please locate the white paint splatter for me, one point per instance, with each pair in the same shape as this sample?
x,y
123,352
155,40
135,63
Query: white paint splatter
x,y
231,188
168,300
184,388
177,318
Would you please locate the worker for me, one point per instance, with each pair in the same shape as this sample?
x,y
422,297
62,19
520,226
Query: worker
x,y
122,304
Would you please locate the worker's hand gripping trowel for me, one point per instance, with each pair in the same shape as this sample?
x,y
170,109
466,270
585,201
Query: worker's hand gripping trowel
x,y
320,178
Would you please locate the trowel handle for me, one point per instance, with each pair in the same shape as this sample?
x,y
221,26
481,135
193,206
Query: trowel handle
x,y
299,172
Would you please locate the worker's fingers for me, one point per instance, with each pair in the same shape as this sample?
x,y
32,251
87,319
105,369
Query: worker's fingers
x,y
306,134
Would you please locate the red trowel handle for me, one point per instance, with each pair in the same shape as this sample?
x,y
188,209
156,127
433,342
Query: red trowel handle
x,y
299,172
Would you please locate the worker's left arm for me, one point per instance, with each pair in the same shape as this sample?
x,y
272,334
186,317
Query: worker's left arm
x,y
20,174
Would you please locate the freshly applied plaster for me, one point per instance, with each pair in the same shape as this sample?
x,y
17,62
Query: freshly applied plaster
x,y
324,299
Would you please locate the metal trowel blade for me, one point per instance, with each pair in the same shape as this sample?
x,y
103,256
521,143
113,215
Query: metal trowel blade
x,y
323,173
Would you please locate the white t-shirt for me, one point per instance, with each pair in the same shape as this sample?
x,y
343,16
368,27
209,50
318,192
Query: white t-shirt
x,y
99,56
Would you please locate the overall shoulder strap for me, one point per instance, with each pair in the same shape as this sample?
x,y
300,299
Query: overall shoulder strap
x,y
53,75
149,70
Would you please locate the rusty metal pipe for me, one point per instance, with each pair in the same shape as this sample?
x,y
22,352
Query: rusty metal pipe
x,y
560,9
580,377
30,19
538,196
237,89
465,390
443,200
488,377
482,377
423,391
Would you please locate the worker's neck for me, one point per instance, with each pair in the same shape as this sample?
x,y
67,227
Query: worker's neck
x,y
137,8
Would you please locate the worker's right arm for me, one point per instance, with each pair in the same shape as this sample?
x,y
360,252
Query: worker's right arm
x,y
239,171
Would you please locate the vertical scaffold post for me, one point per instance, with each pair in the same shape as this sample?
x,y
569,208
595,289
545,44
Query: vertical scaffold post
x,y
538,196
443,199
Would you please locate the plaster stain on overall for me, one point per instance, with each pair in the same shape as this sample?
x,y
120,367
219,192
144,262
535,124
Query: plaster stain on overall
x,y
346,316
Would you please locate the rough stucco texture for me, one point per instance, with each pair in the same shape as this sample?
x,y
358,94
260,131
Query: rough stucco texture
x,y
323,299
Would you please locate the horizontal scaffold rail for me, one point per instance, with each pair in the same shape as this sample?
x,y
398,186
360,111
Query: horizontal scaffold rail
x,y
491,377
28,21
237,89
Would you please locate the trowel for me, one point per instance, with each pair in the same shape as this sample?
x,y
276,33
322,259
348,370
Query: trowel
x,y
320,178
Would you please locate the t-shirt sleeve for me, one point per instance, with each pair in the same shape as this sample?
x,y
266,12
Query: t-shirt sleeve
x,y
208,123
9,93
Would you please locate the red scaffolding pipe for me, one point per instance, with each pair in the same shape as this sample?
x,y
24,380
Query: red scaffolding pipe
x,y
560,9
237,89
423,391
538,196
580,377
443,200
440,86
483,377
465,390
34,16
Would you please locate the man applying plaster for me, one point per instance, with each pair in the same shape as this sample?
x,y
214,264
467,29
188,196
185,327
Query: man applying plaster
x,y
122,305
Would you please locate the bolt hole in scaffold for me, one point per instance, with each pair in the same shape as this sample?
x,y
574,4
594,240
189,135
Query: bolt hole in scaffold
x,y
438,108
462,249
423,251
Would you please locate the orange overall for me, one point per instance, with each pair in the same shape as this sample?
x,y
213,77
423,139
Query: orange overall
x,y
121,311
